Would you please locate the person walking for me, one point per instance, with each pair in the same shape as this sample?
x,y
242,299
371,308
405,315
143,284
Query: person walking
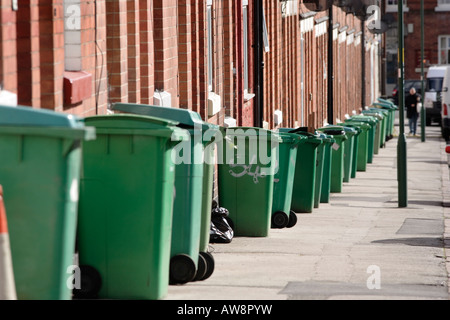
x,y
411,110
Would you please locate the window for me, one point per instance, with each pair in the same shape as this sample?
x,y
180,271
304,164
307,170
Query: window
x,y
210,46
443,5
434,84
444,49
392,6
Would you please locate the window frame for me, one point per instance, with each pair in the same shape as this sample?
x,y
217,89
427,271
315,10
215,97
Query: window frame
x,y
394,7
442,6
447,48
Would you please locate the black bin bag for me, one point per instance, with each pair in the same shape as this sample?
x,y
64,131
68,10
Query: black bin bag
x,y
221,225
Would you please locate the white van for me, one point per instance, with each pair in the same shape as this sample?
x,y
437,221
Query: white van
x,y
445,101
432,99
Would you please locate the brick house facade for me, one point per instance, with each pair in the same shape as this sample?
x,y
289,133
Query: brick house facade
x,y
78,56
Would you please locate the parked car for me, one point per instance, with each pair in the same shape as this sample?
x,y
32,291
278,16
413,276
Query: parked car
x,y
417,84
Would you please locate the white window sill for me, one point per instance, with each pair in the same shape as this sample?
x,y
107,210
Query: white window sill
x,y
442,8
248,96
214,104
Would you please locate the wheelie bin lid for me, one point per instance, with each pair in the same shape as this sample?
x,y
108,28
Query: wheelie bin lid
x,y
374,114
388,102
43,122
365,118
326,138
350,131
136,125
333,130
301,131
384,105
186,118
358,124
338,132
383,112
353,130
292,138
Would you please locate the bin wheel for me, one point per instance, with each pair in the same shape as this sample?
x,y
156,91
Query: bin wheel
x,y
90,283
201,268
182,269
280,220
292,219
209,264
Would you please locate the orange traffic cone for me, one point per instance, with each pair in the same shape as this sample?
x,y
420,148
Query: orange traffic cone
x,y
7,284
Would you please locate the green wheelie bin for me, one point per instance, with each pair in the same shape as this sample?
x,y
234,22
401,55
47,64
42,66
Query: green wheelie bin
x,y
384,115
246,171
380,131
390,102
305,171
125,212
372,133
205,227
190,259
282,215
337,153
323,172
389,106
40,173
362,146
352,134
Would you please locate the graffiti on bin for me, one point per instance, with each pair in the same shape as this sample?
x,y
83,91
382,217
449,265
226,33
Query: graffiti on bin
x,y
248,170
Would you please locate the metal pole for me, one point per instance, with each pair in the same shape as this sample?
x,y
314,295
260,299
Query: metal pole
x,y
330,113
423,114
259,65
402,170
363,64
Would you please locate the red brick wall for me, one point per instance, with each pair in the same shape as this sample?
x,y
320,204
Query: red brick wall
x,y
93,60
100,70
134,58
132,48
436,24
147,66
8,47
117,56
51,51
166,48
29,91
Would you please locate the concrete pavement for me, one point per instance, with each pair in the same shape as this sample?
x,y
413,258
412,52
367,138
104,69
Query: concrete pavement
x,y
359,246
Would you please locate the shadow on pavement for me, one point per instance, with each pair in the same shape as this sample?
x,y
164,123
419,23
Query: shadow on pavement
x,y
415,242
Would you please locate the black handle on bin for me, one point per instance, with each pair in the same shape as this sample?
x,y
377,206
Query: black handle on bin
x,y
335,132
301,129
